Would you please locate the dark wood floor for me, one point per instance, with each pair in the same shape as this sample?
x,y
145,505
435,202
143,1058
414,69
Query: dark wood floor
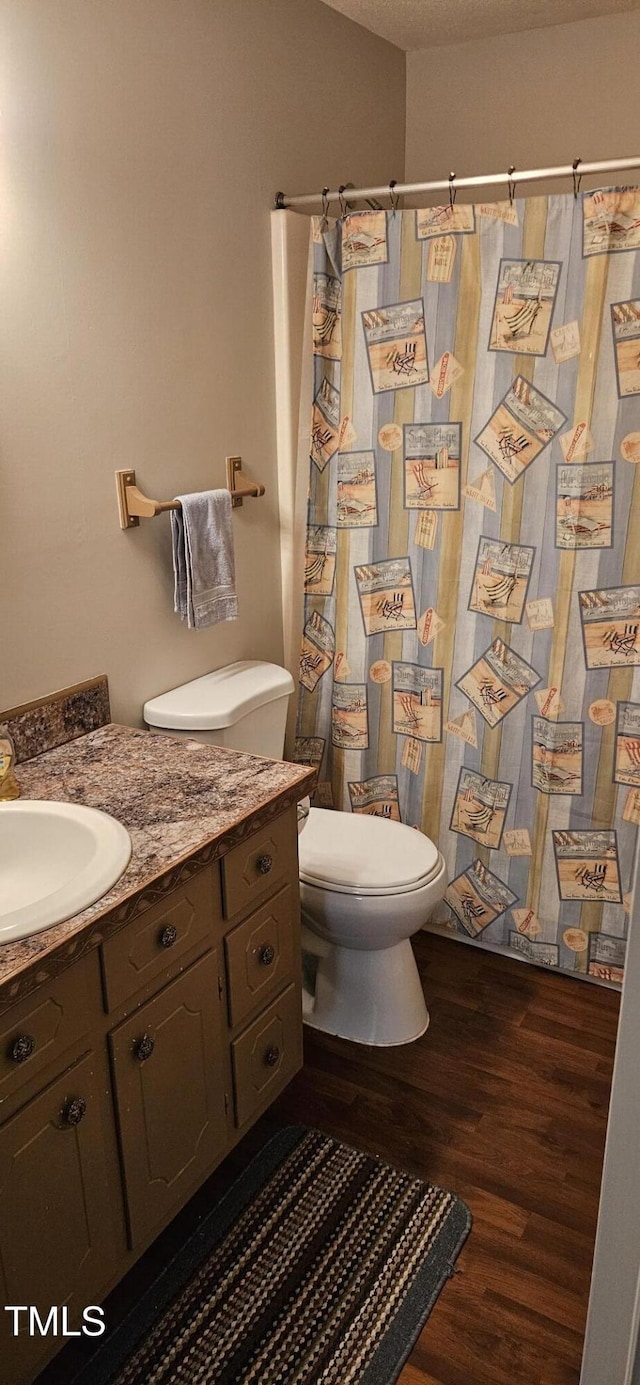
x,y
504,1100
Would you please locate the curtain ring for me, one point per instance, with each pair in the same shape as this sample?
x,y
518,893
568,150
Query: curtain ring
x,y
342,199
395,200
453,192
577,177
511,185
325,206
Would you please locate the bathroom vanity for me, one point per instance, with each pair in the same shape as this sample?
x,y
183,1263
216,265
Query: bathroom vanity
x,y
140,1040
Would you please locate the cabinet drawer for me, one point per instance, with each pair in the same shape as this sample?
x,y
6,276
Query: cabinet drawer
x,y
267,1054
169,1084
150,947
37,1031
261,865
58,1223
260,955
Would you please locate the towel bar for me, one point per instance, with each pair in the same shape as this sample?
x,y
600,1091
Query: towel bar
x,y
134,506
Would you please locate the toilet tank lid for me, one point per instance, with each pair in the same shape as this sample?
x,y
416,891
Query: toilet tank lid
x,y
220,698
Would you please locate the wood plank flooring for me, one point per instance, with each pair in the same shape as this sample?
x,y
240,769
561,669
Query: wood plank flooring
x,y
504,1100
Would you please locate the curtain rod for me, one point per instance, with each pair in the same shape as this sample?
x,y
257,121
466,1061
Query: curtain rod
x,y
393,189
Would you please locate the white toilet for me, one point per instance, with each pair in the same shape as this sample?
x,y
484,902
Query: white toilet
x,y
366,883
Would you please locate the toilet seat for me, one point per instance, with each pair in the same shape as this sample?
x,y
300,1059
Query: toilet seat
x,y
357,853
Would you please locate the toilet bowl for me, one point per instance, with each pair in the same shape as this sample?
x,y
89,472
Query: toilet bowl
x,y
366,886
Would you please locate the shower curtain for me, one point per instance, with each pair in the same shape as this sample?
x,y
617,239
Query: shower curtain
x,y
470,659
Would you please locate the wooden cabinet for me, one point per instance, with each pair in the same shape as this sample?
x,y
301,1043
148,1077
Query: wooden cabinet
x,y
126,1080
170,1095
57,1235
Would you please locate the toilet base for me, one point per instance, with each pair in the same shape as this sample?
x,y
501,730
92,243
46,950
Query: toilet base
x,y
371,997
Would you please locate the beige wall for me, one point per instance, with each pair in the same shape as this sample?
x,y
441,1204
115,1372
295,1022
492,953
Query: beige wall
x,y
141,144
532,99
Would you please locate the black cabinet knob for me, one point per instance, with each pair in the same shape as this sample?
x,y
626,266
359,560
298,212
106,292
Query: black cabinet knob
x,y
75,1111
264,864
168,936
267,954
271,1056
22,1048
144,1048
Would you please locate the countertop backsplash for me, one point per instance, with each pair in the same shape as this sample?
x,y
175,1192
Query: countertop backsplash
x,y
59,718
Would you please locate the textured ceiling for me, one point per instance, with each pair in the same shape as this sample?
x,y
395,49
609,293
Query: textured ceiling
x,y
421,23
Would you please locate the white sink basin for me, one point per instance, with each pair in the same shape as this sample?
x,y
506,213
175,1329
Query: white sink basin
x,y
55,859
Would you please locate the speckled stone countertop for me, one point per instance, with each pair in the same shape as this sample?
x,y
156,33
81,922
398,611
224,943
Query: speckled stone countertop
x,y
183,804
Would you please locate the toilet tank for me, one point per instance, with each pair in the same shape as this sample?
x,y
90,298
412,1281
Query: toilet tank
x,y
242,707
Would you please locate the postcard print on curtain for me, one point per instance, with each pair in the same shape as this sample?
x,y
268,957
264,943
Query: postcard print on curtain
x,y
471,652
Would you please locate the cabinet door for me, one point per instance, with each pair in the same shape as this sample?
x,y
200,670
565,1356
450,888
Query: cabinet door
x,y
260,955
267,1054
57,1227
169,1083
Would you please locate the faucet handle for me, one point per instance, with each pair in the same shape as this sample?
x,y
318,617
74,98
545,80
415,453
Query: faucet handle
x,y
9,787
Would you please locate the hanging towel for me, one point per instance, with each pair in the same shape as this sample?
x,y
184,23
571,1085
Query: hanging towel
x,y
203,562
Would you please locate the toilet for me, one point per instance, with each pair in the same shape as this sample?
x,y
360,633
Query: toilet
x,y
367,884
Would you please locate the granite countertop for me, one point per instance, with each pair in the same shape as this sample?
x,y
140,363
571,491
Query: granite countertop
x,y
181,802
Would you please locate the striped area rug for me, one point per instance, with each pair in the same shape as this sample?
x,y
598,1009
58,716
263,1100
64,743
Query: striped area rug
x,y
319,1267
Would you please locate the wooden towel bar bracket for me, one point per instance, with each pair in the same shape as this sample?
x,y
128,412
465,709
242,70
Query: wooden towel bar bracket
x,y
240,485
134,506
